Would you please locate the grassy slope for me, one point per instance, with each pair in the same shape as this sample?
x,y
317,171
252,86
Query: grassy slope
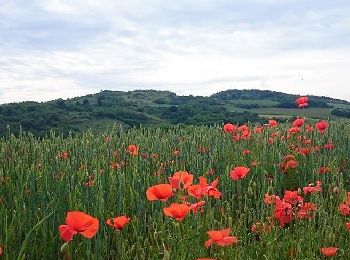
x,y
149,107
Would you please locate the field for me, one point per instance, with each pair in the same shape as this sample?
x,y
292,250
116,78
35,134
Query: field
x,y
112,174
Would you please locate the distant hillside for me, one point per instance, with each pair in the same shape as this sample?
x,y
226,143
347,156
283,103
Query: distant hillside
x,y
160,108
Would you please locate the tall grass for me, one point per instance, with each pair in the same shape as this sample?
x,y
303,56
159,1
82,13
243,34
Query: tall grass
x,y
38,187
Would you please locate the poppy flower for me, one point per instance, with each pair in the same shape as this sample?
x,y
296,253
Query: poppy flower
x,y
229,128
160,192
292,197
118,222
270,199
283,212
328,146
313,189
204,189
132,149
344,209
195,207
239,173
221,238
293,130
177,211
181,179
302,101
63,155
347,225
78,222
272,123
329,251
322,126
298,122
1,250
246,152
306,210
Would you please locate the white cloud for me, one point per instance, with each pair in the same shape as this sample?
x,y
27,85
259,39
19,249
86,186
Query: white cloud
x,y
65,49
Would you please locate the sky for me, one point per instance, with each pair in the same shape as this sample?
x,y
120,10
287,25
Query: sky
x,y
53,49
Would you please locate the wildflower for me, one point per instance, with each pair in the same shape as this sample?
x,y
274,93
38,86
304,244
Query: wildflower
x,y
78,222
159,192
221,238
329,251
239,173
347,225
302,101
118,222
203,188
313,189
229,128
298,122
133,149
177,211
272,123
306,210
197,206
292,197
270,199
283,212
181,179
344,209
246,152
322,126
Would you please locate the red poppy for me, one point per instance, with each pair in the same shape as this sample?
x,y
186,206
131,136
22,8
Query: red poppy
x,y
195,207
329,251
328,146
322,126
221,238
344,209
181,179
118,222
347,225
63,155
272,123
324,169
160,192
270,199
177,211
1,250
133,149
293,130
246,152
283,212
306,210
258,129
202,189
302,101
298,122
239,173
292,197
78,222
228,128
312,188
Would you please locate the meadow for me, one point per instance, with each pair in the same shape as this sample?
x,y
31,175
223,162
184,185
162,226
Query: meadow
x,y
281,190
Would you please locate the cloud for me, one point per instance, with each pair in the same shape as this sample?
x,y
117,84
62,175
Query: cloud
x,y
63,49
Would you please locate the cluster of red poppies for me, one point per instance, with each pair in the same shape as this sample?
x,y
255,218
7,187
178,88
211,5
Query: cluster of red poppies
x,y
78,222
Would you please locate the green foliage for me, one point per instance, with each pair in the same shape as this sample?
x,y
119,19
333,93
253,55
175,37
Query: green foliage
x,y
147,108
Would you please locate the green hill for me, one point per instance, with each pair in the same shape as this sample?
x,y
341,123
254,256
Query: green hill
x,y
160,108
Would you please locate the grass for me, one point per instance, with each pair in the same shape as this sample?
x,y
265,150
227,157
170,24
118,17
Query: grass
x,y
38,188
319,113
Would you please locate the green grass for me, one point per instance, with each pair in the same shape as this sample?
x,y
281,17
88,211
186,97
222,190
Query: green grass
x,y
37,189
319,113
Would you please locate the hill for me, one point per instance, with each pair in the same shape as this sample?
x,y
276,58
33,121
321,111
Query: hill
x,y
160,108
